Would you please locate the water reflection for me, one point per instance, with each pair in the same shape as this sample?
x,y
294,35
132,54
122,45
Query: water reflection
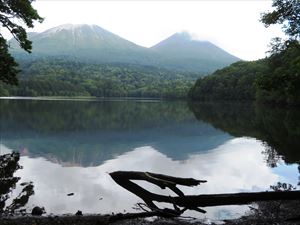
x,y
71,146
94,190
278,128
78,133
9,164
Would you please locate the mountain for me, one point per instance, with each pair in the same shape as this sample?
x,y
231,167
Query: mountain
x,y
84,42
181,51
91,43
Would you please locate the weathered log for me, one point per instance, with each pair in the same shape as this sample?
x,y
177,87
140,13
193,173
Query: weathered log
x,y
160,180
234,198
123,178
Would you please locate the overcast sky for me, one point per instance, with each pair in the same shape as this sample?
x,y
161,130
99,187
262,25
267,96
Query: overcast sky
x,y
232,25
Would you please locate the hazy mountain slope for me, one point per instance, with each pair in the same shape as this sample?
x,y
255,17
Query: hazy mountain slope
x,y
85,42
181,51
91,43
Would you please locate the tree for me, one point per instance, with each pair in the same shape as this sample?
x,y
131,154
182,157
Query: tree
x,y
12,13
287,12
282,82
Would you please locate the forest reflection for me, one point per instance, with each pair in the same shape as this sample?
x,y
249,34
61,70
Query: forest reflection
x,y
9,164
85,133
277,128
68,129
50,116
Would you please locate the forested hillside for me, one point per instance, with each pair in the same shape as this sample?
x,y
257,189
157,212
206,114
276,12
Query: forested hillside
x,y
62,77
275,79
235,82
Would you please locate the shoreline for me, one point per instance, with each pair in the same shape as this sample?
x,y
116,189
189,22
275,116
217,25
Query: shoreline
x,y
79,98
94,219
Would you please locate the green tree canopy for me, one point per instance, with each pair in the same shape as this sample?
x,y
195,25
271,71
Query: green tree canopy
x,y
13,13
282,82
287,13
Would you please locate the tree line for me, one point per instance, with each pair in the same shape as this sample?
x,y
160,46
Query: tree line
x,y
59,77
274,79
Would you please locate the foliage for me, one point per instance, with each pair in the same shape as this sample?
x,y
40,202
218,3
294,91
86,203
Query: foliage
x,y
275,79
235,82
10,12
61,77
8,66
281,83
287,13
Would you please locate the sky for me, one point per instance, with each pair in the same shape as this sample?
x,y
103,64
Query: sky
x,y
232,25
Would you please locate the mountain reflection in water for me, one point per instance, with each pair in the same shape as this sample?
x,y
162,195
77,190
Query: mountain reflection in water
x,y
71,146
88,133
94,190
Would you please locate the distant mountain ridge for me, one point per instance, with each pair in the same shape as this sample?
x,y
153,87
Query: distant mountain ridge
x,y
84,42
181,47
91,43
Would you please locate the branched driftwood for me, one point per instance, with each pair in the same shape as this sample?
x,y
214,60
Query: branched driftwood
x,y
123,178
191,202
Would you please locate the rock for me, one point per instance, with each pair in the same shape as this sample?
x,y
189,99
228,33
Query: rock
x,y
78,213
70,194
37,211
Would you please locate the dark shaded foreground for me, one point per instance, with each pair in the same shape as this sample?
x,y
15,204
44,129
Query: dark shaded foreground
x,y
89,220
271,213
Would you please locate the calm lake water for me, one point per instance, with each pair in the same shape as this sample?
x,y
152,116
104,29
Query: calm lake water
x,y
71,146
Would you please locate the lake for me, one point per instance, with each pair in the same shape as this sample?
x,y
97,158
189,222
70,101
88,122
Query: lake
x,y
70,146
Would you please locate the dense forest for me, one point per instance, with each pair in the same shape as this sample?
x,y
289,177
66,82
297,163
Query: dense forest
x,y
235,82
273,79
63,77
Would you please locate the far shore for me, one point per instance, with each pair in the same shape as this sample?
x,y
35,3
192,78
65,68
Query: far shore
x,y
81,98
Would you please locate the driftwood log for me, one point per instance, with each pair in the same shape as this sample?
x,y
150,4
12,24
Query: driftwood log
x,y
190,202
